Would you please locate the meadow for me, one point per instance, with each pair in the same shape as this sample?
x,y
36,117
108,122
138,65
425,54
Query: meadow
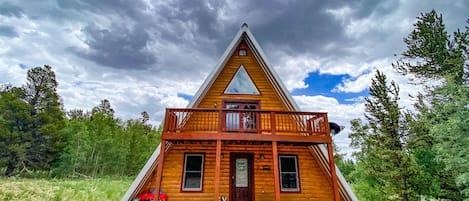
x,y
62,189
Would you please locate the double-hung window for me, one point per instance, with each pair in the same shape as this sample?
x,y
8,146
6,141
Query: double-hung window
x,y
289,173
193,172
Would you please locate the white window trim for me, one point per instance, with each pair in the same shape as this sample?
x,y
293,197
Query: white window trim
x,y
201,173
297,189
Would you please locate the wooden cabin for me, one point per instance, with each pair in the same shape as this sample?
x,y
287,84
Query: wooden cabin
x,y
243,138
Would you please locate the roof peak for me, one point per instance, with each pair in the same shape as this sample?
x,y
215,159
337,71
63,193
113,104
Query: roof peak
x,y
244,25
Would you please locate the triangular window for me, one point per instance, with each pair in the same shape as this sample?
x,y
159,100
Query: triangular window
x,y
241,83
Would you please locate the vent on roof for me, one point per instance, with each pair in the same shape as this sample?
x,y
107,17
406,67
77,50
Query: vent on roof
x,y
242,52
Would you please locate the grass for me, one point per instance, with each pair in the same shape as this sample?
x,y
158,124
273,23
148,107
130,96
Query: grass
x,y
62,189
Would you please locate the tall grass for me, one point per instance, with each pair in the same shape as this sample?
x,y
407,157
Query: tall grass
x,y
62,189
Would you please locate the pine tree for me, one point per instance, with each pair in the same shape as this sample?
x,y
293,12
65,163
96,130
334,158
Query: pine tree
x,y
48,118
383,157
15,130
438,134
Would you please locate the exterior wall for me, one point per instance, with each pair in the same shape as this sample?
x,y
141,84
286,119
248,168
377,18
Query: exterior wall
x,y
314,184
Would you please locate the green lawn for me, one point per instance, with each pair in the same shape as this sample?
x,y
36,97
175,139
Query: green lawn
x,y
62,189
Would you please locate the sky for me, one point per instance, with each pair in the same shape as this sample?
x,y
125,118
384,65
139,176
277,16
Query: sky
x,y
147,55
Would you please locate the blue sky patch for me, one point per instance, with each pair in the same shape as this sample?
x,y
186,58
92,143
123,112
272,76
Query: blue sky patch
x,y
185,96
323,84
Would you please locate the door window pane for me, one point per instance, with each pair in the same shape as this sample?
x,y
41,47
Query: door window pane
x,y
242,178
232,118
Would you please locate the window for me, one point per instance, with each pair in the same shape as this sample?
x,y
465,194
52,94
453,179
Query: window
x,y
193,172
241,83
289,173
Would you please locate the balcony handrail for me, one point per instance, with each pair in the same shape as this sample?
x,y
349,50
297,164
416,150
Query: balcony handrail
x,y
179,120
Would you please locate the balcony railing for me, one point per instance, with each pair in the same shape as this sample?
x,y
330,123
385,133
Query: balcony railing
x,y
195,120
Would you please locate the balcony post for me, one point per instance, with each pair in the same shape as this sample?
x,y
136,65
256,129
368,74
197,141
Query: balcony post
x,y
273,126
276,171
166,121
335,187
217,171
220,120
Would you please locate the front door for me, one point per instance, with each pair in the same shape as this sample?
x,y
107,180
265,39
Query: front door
x,y
242,177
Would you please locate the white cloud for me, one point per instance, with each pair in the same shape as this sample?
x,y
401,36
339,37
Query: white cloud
x,y
355,85
356,99
293,70
342,14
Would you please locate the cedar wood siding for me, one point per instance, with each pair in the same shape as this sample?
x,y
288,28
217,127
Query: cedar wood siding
x,y
314,184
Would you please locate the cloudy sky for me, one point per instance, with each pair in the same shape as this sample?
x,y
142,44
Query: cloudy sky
x,y
146,55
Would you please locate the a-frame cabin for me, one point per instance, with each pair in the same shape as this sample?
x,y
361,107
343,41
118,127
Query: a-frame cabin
x,y
242,137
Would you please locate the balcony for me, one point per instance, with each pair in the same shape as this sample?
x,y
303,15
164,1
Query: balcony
x,y
249,125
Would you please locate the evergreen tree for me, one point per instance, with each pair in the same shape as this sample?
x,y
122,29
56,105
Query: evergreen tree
x,y
438,134
431,53
48,118
383,157
15,130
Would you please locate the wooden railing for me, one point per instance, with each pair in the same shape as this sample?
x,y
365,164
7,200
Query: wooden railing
x,y
190,120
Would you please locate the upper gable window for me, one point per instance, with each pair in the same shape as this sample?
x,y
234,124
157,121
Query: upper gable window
x,y
241,83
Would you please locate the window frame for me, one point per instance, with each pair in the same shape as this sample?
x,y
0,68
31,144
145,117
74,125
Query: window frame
x,y
256,93
297,174
184,171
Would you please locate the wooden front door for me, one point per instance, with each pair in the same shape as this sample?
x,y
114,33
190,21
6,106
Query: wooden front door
x,y
242,177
